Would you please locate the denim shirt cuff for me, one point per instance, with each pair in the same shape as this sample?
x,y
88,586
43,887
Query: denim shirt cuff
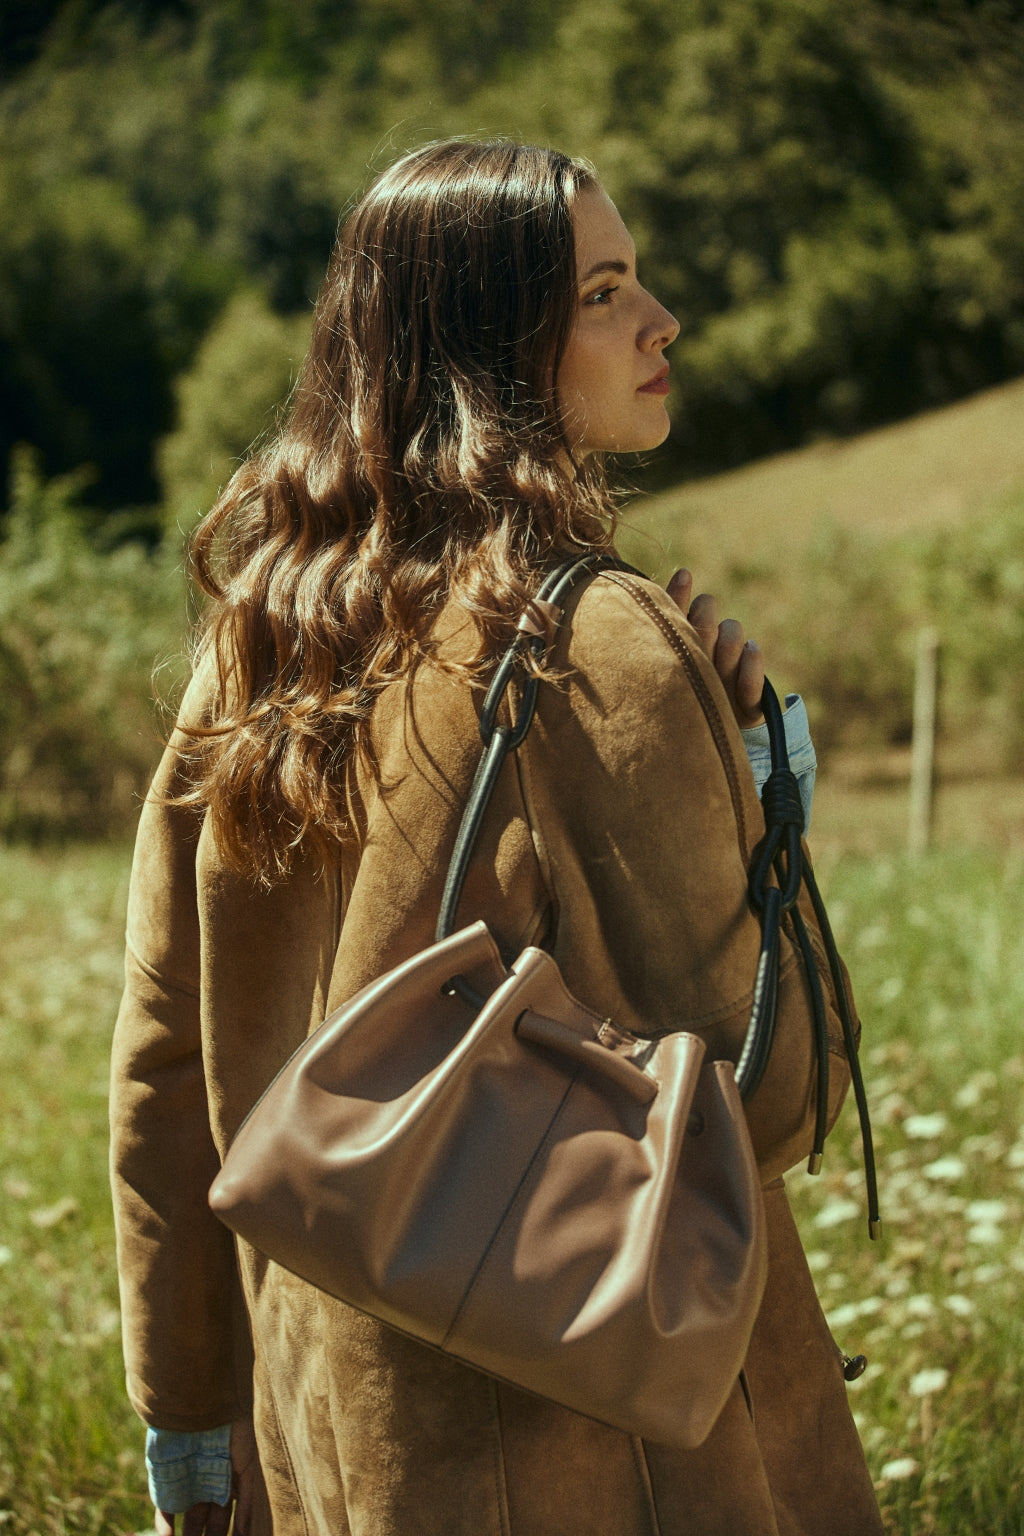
x,y
802,759
188,1467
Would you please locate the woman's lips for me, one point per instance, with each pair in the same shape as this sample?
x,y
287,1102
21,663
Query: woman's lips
x,y
656,386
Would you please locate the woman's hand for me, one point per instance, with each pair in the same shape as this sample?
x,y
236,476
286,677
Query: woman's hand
x,y
737,661
215,1519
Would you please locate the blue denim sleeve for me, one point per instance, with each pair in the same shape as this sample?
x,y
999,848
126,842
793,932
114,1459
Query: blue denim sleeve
x,y
188,1467
801,751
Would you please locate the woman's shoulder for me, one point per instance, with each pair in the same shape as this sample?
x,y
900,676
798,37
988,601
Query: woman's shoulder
x,y
623,625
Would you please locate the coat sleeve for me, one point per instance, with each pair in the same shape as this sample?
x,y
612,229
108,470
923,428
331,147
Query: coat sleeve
x,y
186,1344
645,815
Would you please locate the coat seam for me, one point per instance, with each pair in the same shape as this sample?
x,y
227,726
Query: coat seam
x,y
514,1200
703,694
268,1387
646,1481
500,1479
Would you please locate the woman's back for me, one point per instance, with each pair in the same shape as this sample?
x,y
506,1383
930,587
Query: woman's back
x,y
364,573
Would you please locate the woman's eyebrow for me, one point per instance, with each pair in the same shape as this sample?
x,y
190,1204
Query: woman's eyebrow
x,y
622,267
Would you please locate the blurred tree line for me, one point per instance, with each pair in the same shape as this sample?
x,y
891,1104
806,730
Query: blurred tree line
x,y
830,196
828,193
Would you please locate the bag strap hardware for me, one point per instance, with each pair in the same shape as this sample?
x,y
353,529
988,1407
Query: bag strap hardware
x,y
530,620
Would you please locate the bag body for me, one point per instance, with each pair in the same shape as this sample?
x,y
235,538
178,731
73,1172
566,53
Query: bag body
x,y
522,1187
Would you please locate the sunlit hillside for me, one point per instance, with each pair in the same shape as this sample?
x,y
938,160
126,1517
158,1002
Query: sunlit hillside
x,y
939,468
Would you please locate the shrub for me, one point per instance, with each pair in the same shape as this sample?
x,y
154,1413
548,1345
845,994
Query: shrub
x,y
840,624
79,631
242,373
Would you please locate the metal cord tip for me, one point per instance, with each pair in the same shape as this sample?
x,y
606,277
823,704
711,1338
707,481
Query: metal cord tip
x,y
854,1366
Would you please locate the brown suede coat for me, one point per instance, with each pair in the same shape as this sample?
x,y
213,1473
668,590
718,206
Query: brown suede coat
x,y
619,837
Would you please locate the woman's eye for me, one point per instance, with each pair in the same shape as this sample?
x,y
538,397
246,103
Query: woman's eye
x,y
603,295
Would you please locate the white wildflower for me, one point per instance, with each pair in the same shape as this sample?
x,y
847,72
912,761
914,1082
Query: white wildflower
x,y
963,1306
923,1383
975,1089
894,1471
835,1211
987,1210
945,1168
925,1127
920,1306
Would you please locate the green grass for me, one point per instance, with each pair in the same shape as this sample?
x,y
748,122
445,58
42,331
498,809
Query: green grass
x,y
937,954
936,950
70,1446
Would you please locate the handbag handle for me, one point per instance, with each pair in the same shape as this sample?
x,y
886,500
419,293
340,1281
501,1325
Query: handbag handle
x,y
500,740
781,854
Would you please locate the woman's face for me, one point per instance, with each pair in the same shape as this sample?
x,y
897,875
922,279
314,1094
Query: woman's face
x,y
613,380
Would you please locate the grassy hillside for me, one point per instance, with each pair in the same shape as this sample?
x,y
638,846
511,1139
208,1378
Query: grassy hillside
x,y
836,556
940,468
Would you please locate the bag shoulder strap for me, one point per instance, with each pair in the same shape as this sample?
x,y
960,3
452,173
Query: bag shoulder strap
x,y
500,740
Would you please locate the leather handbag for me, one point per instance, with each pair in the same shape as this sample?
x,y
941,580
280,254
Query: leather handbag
x,y
469,1154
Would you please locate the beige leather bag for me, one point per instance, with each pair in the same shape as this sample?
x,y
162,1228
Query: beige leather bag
x,y
472,1156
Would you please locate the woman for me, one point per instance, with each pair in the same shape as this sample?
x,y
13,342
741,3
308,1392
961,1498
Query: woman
x,y
481,339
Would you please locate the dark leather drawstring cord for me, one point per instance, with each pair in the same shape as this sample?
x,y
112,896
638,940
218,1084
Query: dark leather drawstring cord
x,y
782,853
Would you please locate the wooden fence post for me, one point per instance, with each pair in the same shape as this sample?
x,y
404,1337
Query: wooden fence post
x,y
922,759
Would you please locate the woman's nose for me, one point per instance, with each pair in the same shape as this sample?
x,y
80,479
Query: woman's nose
x,y
660,330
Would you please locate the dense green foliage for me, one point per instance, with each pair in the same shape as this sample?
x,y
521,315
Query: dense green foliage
x,y
81,632
935,950
830,196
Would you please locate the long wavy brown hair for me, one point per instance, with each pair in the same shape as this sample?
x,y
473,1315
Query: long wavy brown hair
x,y
423,459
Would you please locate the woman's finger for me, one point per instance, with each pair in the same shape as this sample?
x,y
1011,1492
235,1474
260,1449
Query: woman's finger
x,y
245,1463
206,1520
218,1519
680,588
703,615
750,685
728,651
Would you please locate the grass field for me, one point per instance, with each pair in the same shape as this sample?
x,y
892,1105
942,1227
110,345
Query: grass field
x,y
937,953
